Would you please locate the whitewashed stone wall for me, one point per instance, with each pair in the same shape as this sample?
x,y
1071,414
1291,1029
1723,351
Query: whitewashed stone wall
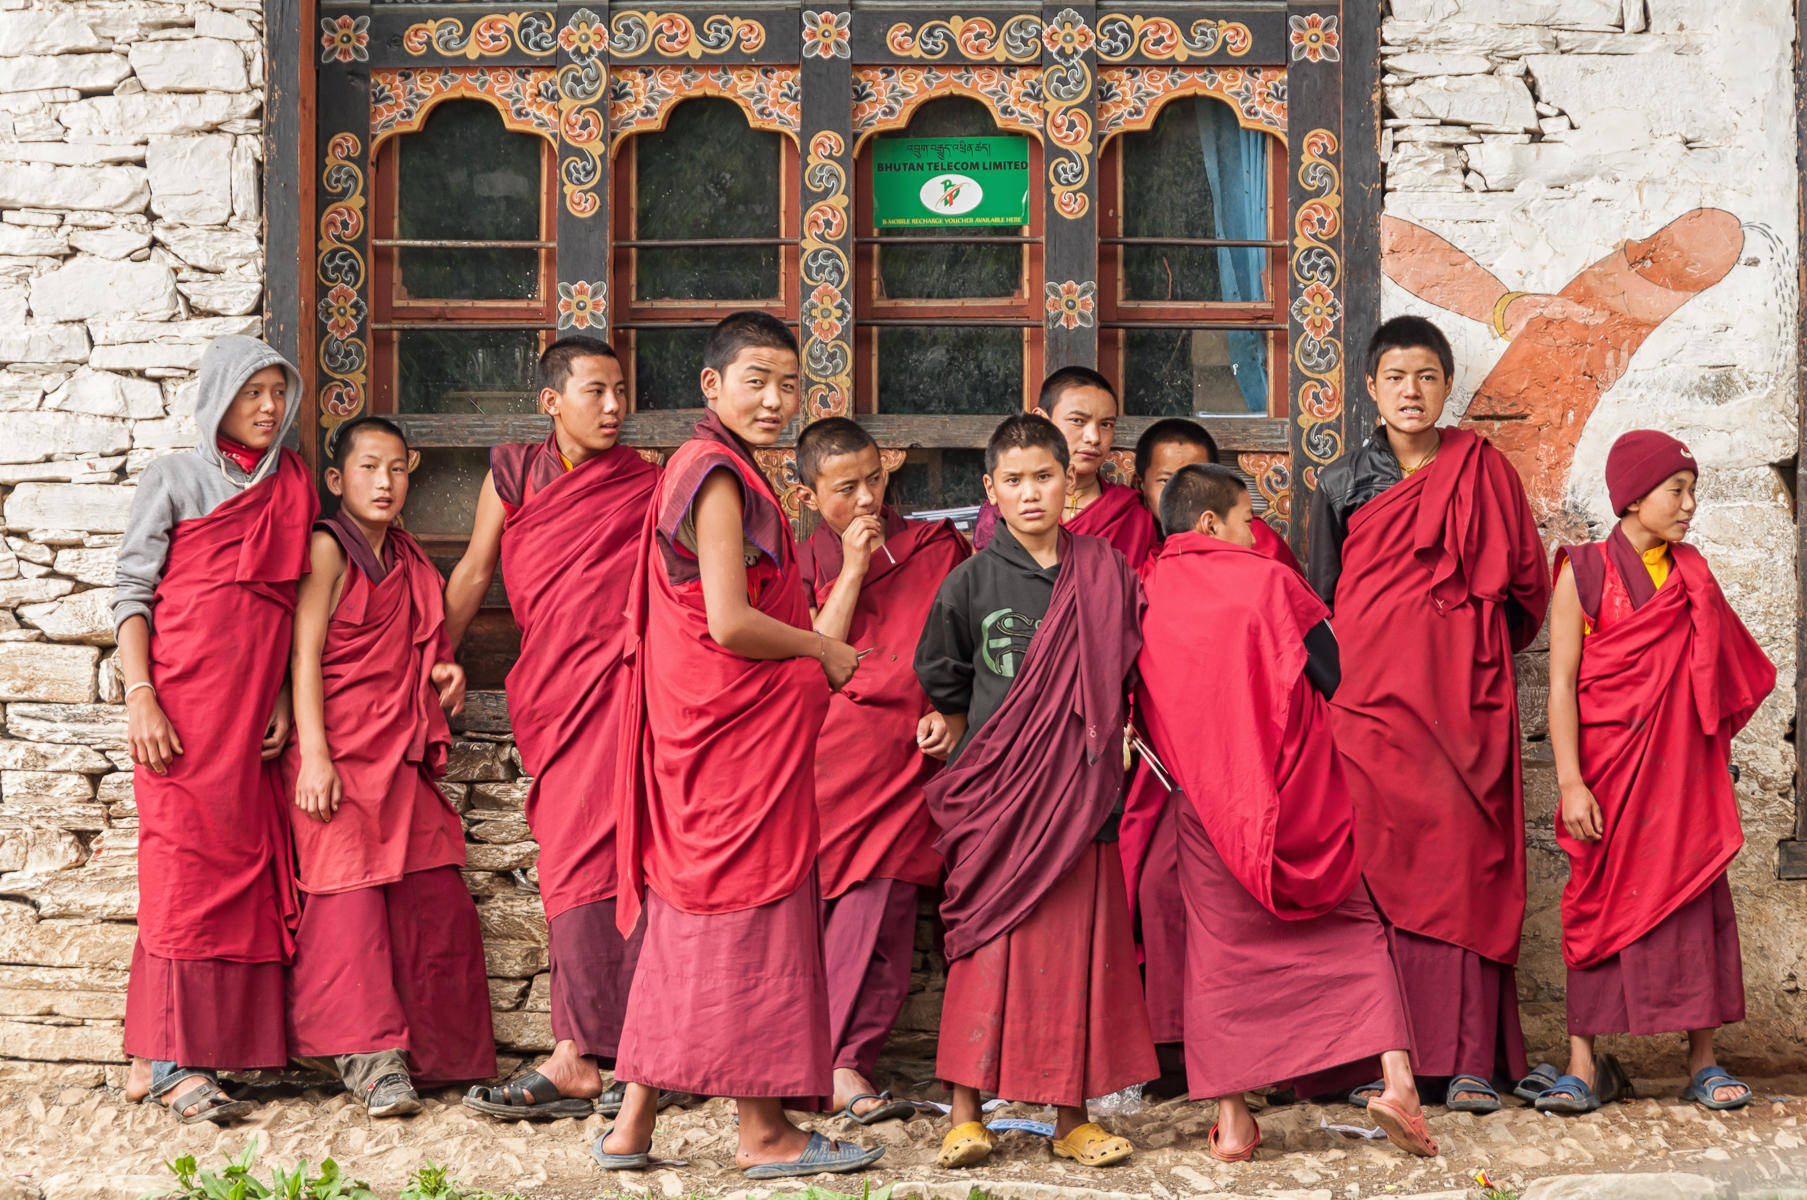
x,y
1537,136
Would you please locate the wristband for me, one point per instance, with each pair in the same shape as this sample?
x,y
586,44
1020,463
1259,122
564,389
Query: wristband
x,y
822,646
142,683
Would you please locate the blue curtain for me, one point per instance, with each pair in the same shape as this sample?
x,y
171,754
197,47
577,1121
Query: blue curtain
x,y
1236,169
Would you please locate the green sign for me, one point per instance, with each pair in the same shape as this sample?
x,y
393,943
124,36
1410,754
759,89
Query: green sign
x,y
950,181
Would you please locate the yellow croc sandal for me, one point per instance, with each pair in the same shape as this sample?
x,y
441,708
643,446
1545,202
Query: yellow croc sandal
x,y
965,1145
1090,1146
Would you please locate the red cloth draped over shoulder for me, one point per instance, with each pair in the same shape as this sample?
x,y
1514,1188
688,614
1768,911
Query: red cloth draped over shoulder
x,y
1260,770
1033,787
568,552
1662,689
718,799
214,878
384,725
1426,715
869,774
1117,516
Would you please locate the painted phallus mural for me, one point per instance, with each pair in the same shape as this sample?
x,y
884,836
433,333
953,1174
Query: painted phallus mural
x,y
1566,348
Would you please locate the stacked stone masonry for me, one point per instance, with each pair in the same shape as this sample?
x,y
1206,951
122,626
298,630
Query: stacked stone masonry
x,y
1535,134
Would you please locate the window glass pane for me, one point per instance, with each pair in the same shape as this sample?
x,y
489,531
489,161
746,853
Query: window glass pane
x,y
1179,372
465,176
950,272
442,491
667,363
950,369
707,174
1167,192
938,479
466,371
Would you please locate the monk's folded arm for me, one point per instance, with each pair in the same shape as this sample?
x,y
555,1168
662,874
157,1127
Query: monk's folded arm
x,y
471,578
734,624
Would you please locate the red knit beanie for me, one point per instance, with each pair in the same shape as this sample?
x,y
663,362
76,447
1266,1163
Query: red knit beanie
x,y
1638,463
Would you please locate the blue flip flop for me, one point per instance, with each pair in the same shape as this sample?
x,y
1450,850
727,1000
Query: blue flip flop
x,y
619,1162
1708,1080
887,1109
1488,1103
1378,1087
1542,1078
1568,1096
820,1157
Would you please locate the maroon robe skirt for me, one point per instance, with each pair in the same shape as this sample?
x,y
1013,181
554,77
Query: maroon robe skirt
x,y
592,971
731,1004
1687,973
205,1012
1052,1011
1267,1000
1162,911
1463,1009
398,966
868,940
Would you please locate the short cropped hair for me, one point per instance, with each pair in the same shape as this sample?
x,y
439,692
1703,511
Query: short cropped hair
x,y
1170,431
828,438
1066,379
745,331
557,359
1410,333
1195,490
346,435
1025,431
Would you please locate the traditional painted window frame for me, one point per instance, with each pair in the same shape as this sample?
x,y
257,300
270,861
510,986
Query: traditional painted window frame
x,y
323,52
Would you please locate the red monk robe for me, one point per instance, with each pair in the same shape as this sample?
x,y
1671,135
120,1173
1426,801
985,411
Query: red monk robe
x,y
568,550
877,838
389,954
1117,515
1668,676
718,812
1442,582
216,899
1149,840
1287,969
1043,1003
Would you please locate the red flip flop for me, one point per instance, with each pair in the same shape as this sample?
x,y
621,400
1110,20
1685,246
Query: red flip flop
x,y
1246,1154
1407,1132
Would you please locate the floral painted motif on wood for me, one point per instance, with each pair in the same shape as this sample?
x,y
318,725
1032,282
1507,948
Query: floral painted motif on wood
x,y
580,87
340,269
1272,474
1317,313
670,34
1018,41
827,309
583,305
1068,84
1130,98
827,34
1314,38
884,97
401,97
1070,305
640,98
498,33
344,39
1122,36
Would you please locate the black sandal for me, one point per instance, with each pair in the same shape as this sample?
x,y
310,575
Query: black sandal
x,y
532,1097
213,1104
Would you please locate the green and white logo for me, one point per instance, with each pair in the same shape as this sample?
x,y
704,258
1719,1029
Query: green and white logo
x,y
929,182
951,195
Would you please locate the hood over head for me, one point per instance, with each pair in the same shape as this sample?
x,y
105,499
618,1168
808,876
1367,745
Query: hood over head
x,y
225,365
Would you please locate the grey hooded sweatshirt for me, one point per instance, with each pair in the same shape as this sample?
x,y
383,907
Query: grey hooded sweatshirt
x,y
180,487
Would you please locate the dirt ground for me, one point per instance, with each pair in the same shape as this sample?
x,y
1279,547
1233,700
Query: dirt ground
x,y
72,1143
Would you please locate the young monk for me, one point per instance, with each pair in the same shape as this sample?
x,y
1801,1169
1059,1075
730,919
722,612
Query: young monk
x,y
1026,655
214,549
563,519
1425,549
718,801
1150,842
1651,676
388,985
1287,970
1083,406
872,577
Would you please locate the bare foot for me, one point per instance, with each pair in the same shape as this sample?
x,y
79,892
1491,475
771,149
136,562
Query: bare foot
x,y
849,1083
1236,1128
575,1076
138,1080
785,1143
